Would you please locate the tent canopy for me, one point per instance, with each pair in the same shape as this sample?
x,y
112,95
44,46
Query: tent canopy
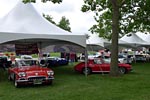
x,y
23,24
94,42
144,36
134,40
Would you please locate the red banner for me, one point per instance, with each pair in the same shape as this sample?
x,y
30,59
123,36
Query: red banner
x,y
27,48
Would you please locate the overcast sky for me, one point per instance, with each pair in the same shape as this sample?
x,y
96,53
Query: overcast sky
x,y
79,22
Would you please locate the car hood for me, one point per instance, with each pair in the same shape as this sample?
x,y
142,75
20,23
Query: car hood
x,y
33,70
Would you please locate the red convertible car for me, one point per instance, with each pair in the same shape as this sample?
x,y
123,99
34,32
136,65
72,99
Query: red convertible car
x,y
28,71
100,65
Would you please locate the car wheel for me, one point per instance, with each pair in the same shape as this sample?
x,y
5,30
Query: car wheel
x,y
86,71
122,70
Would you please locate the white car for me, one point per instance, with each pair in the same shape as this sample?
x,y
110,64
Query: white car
x,y
92,56
140,57
26,57
124,59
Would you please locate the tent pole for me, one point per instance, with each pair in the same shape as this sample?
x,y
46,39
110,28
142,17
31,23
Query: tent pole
x,y
40,50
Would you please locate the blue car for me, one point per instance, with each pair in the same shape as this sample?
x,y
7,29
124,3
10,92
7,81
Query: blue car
x,y
54,61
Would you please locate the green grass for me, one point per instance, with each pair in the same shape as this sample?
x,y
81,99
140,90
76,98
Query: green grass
x,y
70,85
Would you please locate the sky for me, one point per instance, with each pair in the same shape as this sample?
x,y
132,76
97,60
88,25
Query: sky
x,y
79,22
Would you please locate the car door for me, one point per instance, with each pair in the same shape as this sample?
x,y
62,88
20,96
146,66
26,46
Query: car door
x,y
105,67
97,65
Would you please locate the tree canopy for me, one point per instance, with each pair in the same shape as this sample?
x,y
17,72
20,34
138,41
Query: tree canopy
x,y
49,18
63,23
133,16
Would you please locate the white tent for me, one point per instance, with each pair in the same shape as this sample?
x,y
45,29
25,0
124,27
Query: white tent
x,y
24,24
133,40
94,42
144,36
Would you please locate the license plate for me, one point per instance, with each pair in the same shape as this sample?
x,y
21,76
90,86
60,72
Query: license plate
x,y
37,81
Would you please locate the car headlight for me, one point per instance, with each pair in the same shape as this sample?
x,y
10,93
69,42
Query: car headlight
x,y
22,74
50,73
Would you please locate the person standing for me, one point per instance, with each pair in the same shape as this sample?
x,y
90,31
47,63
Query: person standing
x,y
72,57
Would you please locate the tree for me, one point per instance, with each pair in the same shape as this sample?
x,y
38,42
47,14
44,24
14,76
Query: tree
x,y
119,17
49,18
64,24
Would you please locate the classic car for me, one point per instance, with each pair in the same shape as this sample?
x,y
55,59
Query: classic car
x,y
29,71
100,65
54,61
140,58
125,59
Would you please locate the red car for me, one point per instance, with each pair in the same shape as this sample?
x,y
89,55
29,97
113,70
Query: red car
x,y
100,65
28,71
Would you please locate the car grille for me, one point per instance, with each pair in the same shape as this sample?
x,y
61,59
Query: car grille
x,y
36,78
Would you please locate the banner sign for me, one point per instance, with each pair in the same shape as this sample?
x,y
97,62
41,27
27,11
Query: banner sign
x,y
26,49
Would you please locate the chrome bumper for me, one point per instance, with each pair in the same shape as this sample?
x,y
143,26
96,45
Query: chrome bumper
x,y
22,80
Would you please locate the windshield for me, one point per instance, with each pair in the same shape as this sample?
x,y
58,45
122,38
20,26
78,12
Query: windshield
x,y
121,56
107,60
21,63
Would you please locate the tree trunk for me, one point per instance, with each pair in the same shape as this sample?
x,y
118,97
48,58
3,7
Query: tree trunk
x,y
115,33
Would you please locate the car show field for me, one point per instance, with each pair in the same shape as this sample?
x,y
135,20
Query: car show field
x,y
41,59
73,86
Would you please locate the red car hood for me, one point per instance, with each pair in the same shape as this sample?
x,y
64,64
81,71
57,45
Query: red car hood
x,y
33,70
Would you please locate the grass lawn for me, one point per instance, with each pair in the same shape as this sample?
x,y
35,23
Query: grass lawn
x,y
70,85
